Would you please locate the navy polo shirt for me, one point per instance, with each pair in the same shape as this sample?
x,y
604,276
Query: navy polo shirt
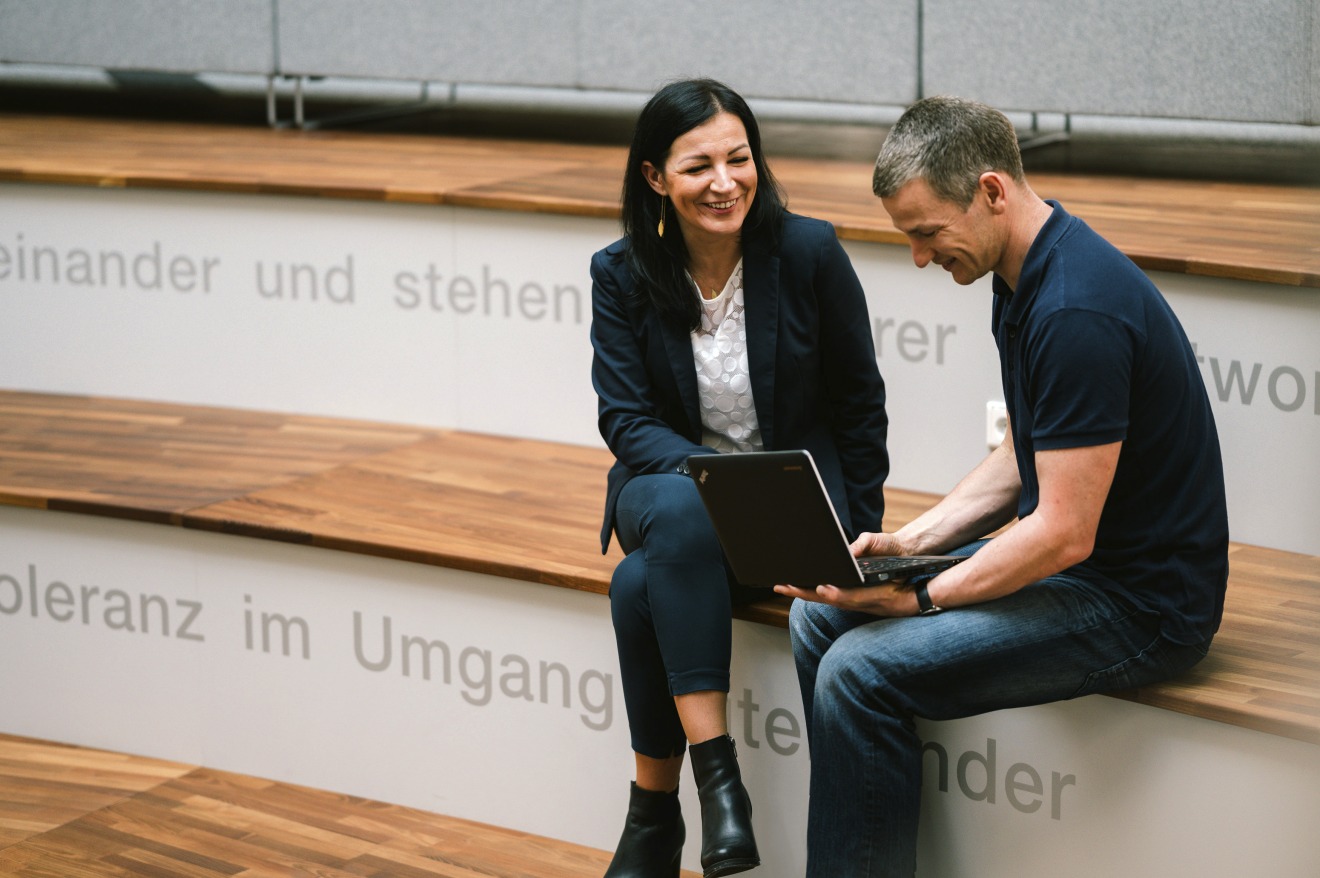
x,y
1091,353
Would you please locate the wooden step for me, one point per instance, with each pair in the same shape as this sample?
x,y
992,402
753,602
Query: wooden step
x,y
452,499
72,811
1258,232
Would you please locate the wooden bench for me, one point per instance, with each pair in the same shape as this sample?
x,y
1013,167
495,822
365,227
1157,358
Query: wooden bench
x,y
1253,232
462,500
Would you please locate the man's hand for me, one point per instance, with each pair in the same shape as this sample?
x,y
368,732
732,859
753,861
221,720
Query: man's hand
x,y
889,599
878,544
879,600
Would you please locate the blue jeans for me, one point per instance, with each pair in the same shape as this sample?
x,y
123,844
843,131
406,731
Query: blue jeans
x,y
671,603
865,679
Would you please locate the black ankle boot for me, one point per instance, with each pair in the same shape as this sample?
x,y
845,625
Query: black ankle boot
x,y
727,843
652,840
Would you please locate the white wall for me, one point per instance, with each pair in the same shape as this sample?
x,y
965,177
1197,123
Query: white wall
x,y
391,312
478,320
258,669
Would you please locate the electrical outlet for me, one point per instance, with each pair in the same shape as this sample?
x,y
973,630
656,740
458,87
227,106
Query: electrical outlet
x,y
996,423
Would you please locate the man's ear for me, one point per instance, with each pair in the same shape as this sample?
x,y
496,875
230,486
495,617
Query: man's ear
x,y
654,178
994,187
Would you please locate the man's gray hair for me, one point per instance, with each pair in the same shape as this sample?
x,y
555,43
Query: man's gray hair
x,y
949,142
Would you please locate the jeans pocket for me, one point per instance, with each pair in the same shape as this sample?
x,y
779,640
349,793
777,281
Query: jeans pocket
x,y
1159,661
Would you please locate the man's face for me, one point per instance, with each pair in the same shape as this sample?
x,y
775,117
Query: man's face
x,y
962,242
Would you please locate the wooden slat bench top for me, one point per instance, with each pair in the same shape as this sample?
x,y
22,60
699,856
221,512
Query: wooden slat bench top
x,y
1256,232
456,499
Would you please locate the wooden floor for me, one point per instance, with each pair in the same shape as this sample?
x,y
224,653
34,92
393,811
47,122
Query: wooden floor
x,y
452,499
1256,232
71,812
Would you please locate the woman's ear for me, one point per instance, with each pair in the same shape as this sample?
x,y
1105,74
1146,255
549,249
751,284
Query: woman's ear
x,y
654,178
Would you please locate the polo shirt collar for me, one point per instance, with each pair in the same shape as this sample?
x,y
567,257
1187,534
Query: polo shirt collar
x,y
1033,267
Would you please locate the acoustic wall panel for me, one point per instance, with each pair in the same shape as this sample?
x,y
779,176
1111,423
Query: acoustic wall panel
x,y
522,42
1193,59
216,36
849,51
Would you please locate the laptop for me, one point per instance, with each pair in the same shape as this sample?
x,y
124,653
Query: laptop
x,y
776,524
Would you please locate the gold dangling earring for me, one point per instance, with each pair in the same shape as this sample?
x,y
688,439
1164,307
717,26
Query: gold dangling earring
x,y
660,229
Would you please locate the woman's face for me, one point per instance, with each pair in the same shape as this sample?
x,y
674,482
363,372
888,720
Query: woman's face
x,y
709,178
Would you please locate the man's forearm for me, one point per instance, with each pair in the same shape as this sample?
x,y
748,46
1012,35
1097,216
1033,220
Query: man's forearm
x,y
985,500
1059,533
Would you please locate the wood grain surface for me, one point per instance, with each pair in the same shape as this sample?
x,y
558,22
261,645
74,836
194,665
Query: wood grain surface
x,y
72,812
153,462
467,501
1259,232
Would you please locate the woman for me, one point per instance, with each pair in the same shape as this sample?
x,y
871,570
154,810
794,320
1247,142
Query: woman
x,y
720,321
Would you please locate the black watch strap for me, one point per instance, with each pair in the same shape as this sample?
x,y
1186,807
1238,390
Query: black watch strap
x,y
924,604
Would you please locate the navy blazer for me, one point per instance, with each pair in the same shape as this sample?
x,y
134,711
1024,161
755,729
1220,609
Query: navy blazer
x,y
814,376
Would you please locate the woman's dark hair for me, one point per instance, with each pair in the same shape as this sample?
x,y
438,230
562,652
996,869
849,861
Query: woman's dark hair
x,y
658,264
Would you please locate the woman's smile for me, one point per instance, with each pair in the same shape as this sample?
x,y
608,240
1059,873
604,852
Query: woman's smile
x,y
709,178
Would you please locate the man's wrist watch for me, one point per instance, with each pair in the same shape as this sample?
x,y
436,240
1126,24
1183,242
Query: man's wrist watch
x,y
925,607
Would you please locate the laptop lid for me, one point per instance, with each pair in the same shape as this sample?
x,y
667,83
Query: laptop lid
x,y
774,518
776,524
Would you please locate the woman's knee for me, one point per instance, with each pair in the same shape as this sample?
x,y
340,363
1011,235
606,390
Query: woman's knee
x,y
676,524
628,597
676,502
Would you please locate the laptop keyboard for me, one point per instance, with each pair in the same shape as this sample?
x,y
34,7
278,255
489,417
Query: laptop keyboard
x,y
882,564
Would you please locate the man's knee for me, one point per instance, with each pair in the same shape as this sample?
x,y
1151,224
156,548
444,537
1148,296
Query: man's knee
x,y
837,674
801,623
859,671
814,627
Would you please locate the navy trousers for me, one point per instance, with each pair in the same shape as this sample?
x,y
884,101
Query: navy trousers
x,y
671,600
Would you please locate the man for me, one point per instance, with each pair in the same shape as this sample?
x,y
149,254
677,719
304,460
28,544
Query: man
x,y
1112,576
